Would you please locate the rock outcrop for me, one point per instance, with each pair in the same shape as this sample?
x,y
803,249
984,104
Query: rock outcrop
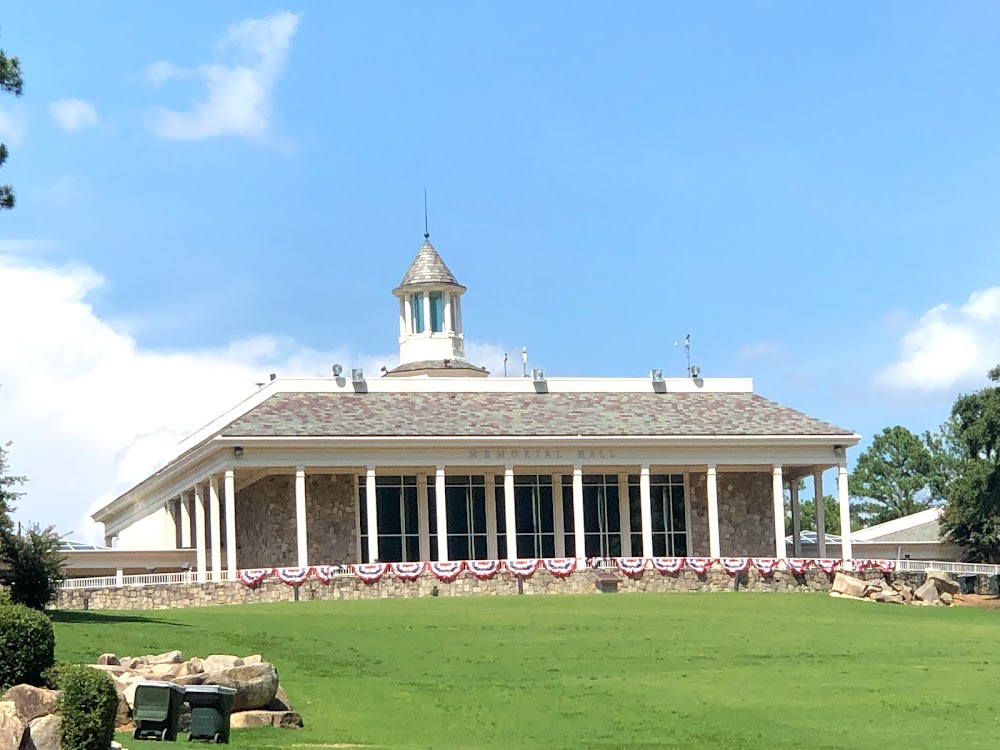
x,y
938,589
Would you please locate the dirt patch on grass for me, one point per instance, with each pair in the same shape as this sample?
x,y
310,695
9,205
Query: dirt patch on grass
x,y
978,600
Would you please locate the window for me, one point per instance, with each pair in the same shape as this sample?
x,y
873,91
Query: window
x,y
417,312
437,311
398,527
601,516
465,506
668,514
533,516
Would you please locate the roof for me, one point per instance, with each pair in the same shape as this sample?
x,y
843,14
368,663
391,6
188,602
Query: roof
x,y
924,526
69,545
436,364
428,268
506,414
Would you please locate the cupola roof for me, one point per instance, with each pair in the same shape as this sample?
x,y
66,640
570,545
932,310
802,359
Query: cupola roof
x,y
428,268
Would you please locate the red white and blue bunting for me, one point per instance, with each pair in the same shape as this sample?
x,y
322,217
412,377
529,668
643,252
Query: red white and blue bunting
x,y
766,565
827,565
407,571
292,576
667,565
560,567
370,572
523,568
446,572
252,576
734,565
798,565
699,564
886,566
484,570
631,566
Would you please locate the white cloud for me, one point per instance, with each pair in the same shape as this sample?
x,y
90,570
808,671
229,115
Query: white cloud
x,y
238,89
73,114
13,125
949,346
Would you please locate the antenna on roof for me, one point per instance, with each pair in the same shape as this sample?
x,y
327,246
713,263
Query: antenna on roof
x,y
524,361
427,231
687,355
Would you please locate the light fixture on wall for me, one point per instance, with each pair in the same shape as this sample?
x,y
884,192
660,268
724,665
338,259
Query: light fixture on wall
x,y
538,375
656,376
337,370
695,372
238,451
357,375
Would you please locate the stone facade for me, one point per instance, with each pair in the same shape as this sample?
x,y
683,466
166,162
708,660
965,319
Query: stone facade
x,y
265,521
541,583
746,514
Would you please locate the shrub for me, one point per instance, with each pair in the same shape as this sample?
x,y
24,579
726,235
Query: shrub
x,y
88,704
31,566
27,645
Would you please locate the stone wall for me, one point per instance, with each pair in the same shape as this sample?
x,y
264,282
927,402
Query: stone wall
x,y
265,521
349,587
746,514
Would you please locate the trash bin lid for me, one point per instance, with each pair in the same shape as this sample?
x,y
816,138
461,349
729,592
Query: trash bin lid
x,y
160,684
217,689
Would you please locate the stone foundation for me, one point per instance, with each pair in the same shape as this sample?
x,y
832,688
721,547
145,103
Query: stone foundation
x,y
504,583
746,514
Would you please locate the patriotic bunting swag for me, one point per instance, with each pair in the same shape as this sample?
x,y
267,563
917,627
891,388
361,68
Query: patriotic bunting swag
x,y
827,565
734,565
323,573
523,568
860,565
370,572
560,567
766,565
446,572
253,576
483,569
631,566
886,566
292,576
667,565
407,571
699,564
798,565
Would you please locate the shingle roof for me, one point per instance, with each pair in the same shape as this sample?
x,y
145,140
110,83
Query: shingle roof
x,y
428,268
522,415
436,364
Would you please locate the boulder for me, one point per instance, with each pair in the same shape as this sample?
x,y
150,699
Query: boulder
x,y
111,669
129,662
124,714
255,659
12,726
164,671
845,584
927,592
943,582
43,733
947,598
256,684
32,702
191,666
108,659
215,662
171,657
129,694
280,701
255,719
190,679
881,597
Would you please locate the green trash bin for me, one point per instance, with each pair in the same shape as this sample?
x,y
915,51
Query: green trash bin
x,y
210,709
157,710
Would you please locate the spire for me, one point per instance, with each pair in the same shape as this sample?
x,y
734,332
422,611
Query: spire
x,y
428,268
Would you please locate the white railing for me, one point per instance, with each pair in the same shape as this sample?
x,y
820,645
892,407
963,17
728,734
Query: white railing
x,y
959,568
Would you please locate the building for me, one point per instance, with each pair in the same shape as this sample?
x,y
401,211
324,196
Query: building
x,y
436,461
913,537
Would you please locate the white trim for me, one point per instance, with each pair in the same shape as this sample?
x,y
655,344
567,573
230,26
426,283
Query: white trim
x,y
872,533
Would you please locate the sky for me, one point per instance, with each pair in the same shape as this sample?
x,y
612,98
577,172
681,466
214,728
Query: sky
x,y
210,192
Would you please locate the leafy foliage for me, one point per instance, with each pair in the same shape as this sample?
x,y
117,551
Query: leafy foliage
x,y
27,645
831,518
12,83
31,566
8,493
895,477
88,704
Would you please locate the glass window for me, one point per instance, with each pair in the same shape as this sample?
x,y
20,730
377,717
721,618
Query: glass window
x,y
465,506
417,312
668,514
533,516
601,516
437,311
398,527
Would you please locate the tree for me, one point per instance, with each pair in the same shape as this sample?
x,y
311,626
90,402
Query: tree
x,y
831,518
31,566
972,516
8,495
10,81
895,477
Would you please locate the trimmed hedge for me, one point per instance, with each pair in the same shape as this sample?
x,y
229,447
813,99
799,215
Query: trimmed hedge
x,y
27,645
88,704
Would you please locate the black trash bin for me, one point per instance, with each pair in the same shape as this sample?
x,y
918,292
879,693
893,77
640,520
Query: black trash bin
x,y
156,710
210,709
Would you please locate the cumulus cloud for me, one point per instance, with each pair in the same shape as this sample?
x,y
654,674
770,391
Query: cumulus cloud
x,y
239,86
949,346
73,114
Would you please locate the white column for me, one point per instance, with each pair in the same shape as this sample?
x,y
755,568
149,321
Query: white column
x,y
215,521
185,521
793,494
402,316
119,577
778,496
820,513
492,546
508,512
371,510
301,523
170,525
447,312
458,314
440,505
407,314
230,487
578,530
712,490
845,513
646,511
623,513
428,329
558,521
199,533
423,518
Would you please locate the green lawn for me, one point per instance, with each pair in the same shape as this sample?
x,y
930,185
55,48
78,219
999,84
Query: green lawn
x,y
605,671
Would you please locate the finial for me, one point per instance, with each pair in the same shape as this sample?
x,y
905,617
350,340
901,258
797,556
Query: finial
x,y
427,231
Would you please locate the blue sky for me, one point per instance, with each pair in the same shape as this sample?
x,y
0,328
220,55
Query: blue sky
x,y
212,191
